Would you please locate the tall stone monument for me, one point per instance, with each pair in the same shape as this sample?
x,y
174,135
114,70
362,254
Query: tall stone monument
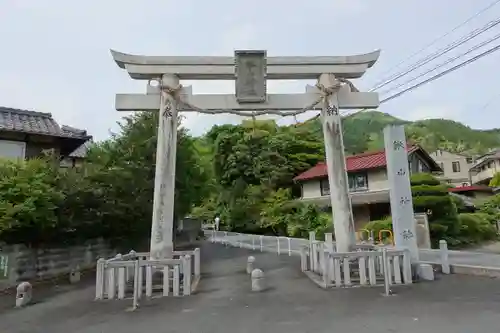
x,y
398,174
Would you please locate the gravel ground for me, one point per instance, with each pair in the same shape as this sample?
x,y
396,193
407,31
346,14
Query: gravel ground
x,y
292,303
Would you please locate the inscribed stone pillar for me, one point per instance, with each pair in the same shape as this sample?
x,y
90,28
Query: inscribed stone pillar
x,y
398,174
164,191
337,176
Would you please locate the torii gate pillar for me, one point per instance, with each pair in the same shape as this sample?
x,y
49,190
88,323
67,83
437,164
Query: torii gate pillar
x,y
343,222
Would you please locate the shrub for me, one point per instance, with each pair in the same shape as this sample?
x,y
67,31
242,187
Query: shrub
x,y
459,203
432,198
423,179
475,228
491,207
376,226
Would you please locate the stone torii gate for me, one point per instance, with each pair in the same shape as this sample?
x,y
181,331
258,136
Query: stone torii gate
x,y
250,70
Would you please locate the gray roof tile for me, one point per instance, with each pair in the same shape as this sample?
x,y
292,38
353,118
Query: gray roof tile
x,y
81,152
35,122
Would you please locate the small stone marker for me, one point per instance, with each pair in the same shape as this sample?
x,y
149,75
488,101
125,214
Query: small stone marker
x,y
425,272
75,275
250,262
257,280
23,294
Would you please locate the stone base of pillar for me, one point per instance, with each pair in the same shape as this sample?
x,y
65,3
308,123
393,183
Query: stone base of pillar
x,y
425,272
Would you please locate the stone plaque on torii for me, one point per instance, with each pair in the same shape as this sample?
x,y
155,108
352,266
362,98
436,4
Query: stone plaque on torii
x,y
250,69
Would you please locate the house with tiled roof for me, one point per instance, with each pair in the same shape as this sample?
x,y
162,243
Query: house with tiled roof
x,y
368,183
456,167
476,193
27,134
77,157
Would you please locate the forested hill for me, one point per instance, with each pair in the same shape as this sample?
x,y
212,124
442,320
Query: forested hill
x,y
250,167
363,132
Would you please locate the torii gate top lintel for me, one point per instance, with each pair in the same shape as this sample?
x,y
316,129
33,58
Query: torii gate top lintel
x,y
223,68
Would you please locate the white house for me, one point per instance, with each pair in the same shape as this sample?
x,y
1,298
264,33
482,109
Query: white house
x,y
485,168
368,184
455,167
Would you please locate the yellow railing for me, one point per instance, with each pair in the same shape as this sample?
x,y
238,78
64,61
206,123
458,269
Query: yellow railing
x,y
385,231
361,233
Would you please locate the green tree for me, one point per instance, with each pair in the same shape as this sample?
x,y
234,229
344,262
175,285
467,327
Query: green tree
x,y
250,161
491,207
110,197
495,181
123,167
432,198
28,201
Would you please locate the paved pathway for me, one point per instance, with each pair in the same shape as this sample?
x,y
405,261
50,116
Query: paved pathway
x,y
225,304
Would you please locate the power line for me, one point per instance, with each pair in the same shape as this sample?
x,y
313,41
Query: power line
x,y
437,76
450,60
432,78
439,53
491,100
441,37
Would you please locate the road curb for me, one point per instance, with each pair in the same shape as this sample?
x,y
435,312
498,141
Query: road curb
x,y
487,271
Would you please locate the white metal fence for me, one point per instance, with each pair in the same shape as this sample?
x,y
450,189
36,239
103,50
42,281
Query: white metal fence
x,y
279,245
179,275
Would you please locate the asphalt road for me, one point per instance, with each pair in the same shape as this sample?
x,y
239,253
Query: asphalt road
x,y
292,303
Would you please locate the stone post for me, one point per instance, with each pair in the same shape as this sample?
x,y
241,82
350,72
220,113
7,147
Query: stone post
x,y
329,242
23,294
257,277
186,283
250,262
312,250
303,258
443,254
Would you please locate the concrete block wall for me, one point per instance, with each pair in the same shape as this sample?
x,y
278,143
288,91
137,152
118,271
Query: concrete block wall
x,y
25,264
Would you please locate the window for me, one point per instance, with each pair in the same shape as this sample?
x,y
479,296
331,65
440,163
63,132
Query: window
x,y
469,160
455,166
12,149
358,182
324,187
421,166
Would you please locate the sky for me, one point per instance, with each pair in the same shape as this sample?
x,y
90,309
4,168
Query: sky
x,y
55,53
